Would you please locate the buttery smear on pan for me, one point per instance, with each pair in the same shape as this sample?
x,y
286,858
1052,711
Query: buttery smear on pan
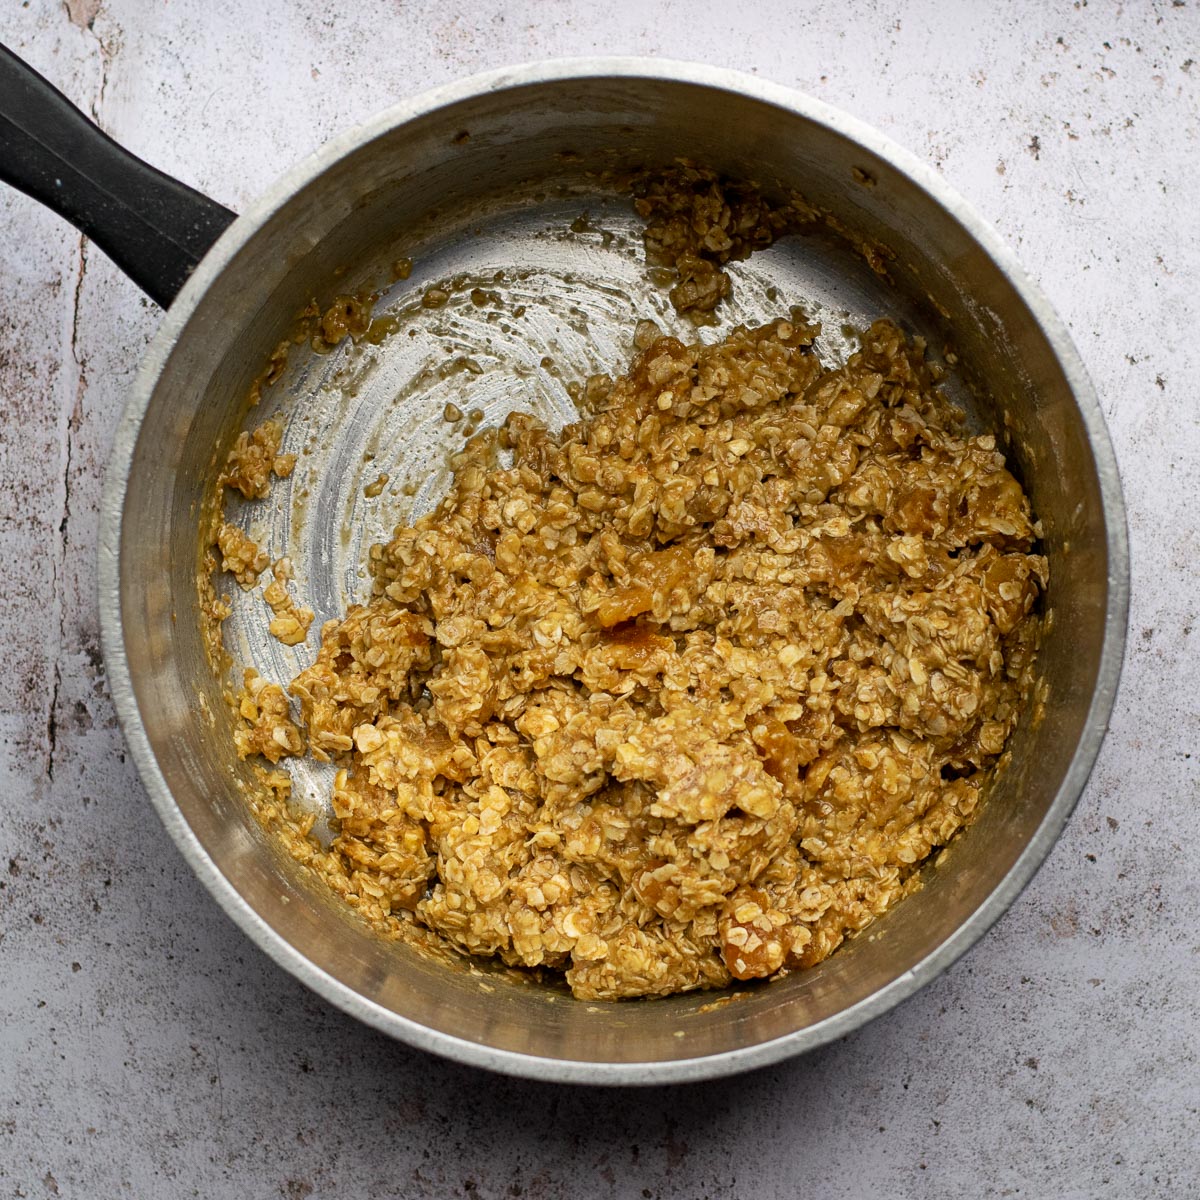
x,y
688,691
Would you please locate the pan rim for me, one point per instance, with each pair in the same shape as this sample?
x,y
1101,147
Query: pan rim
x,y
516,1063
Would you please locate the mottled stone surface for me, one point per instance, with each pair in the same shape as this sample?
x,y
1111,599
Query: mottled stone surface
x,y
146,1049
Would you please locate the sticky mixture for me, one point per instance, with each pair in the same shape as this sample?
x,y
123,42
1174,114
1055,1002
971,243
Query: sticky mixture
x,y
689,691
254,459
266,727
289,621
240,555
697,222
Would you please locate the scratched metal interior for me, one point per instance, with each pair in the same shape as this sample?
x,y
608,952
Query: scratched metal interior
x,y
565,282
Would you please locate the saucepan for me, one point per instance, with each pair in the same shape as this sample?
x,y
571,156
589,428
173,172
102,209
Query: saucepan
x,y
511,183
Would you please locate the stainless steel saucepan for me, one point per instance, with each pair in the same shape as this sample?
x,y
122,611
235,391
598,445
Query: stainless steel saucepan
x,y
503,191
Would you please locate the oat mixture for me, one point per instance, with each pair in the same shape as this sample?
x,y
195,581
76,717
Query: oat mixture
x,y
254,459
688,691
289,620
697,223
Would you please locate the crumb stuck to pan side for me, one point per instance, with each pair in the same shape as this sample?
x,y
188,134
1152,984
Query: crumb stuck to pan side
x,y
266,727
240,555
289,621
255,458
697,222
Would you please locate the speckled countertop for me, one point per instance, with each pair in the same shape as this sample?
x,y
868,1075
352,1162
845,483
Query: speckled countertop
x,y
148,1050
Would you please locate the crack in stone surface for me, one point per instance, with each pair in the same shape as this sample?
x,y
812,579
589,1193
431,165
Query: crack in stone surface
x,y
62,548
52,721
83,14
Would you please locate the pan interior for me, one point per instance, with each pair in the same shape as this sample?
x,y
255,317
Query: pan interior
x,y
541,257
542,294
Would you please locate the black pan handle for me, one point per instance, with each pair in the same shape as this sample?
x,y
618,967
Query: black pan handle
x,y
153,227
